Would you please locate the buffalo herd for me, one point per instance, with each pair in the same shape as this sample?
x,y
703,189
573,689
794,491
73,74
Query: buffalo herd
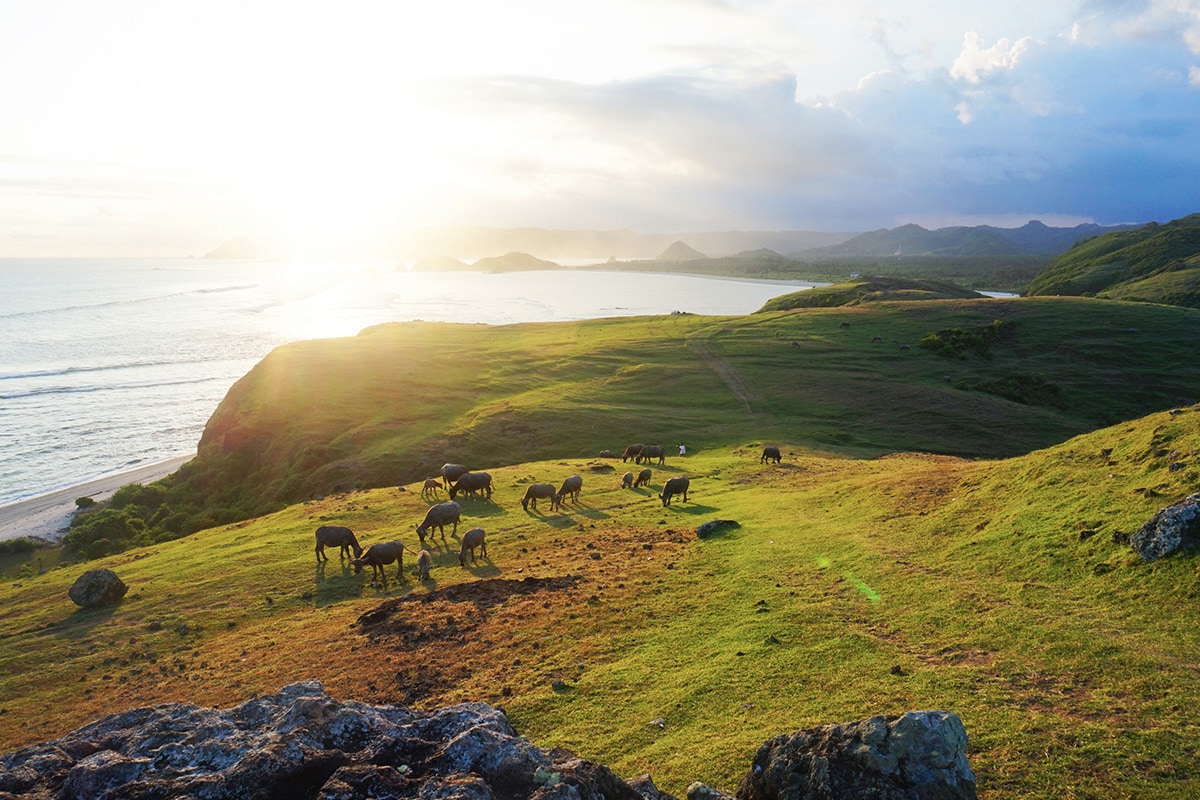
x,y
458,480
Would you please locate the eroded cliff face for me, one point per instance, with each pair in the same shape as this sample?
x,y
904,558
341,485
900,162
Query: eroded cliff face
x,y
302,743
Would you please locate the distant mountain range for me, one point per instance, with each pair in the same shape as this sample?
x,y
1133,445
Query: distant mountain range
x,y
469,244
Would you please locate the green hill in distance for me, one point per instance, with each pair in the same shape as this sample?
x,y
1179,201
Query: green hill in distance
x,y
1153,264
868,290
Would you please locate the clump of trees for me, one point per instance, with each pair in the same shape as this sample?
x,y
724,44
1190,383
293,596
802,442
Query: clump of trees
x,y
139,515
959,342
19,546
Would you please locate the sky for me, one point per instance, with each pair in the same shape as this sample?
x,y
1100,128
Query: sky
x,y
164,127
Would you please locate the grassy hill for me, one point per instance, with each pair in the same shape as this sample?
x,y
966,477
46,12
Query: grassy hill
x,y
868,290
851,587
1154,263
990,273
394,403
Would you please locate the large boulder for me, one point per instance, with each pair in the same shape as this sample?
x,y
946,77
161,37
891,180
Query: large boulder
x,y
920,755
97,587
1171,530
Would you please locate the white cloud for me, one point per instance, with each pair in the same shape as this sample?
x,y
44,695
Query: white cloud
x,y
976,61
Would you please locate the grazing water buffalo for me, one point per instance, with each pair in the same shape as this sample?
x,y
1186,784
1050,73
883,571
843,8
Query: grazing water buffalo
x,y
606,454
632,452
472,483
439,516
336,536
652,451
673,487
430,489
570,487
770,454
643,478
538,491
627,480
472,540
424,562
452,472
380,555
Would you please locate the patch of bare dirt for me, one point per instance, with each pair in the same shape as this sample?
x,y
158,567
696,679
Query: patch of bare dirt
x,y
483,594
492,638
436,641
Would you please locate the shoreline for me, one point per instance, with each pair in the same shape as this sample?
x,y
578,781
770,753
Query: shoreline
x,y
48,516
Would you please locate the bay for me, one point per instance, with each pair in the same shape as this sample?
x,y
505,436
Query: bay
x,y
109,364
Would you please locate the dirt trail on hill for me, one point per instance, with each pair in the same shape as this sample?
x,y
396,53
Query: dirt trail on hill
x,y
728,374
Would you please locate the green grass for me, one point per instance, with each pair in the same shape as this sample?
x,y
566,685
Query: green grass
x,y
852,587
868,290
922,545
396,402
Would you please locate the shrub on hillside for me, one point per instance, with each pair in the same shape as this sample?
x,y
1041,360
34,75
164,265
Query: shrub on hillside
x,y
11,547
149,496
1029,390
957,342
107,531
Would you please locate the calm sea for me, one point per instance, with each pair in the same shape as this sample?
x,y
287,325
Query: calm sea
x,y
106,365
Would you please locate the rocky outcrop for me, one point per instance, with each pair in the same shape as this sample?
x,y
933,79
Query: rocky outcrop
x,y
301,743
97,587
920,755
1171,530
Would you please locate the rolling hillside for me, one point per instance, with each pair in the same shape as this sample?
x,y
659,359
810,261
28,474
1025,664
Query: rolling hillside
x,y
1154,263
999,590
868,290
394,403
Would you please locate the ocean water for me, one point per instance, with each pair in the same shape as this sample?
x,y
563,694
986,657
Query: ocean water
x,y
106,365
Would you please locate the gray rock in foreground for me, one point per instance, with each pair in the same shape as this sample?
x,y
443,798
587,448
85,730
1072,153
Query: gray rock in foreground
x,y
97,587
1171,530
302,743
920,755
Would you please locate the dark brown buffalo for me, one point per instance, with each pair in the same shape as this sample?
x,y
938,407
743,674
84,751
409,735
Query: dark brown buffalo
x,y
473,483
336,536
538,491
652,451
673,487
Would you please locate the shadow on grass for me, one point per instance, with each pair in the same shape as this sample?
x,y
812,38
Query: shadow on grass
x,y
689,508
81,621
336,587
588,512
483,508
485,569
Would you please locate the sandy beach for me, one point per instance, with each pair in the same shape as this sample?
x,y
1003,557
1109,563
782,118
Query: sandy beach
x,y
47,516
